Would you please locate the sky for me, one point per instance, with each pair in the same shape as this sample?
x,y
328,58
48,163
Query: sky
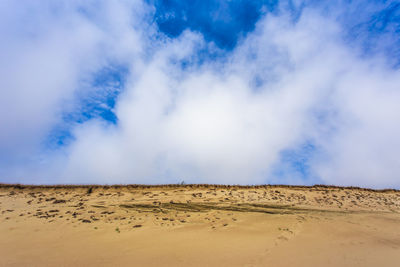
x,y
203,91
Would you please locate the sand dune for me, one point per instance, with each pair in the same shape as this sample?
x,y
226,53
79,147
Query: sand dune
x,y
198,225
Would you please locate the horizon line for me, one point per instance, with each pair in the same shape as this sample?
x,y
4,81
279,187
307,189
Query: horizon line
x,y
143,186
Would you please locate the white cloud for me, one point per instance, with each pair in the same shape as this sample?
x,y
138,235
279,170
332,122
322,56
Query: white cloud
x,y
225,121
47,49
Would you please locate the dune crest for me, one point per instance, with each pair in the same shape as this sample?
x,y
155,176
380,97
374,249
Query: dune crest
x,y
198,225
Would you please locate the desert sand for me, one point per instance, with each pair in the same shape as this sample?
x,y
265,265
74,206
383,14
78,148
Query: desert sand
x,y
198,225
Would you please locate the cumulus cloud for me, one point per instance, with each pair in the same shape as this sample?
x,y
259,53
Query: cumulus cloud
x,y
222,120
48,49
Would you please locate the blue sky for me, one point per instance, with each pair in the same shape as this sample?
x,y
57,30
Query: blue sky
x,y
236,92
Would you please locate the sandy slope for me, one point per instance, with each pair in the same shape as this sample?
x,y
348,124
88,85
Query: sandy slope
x,y
198,226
